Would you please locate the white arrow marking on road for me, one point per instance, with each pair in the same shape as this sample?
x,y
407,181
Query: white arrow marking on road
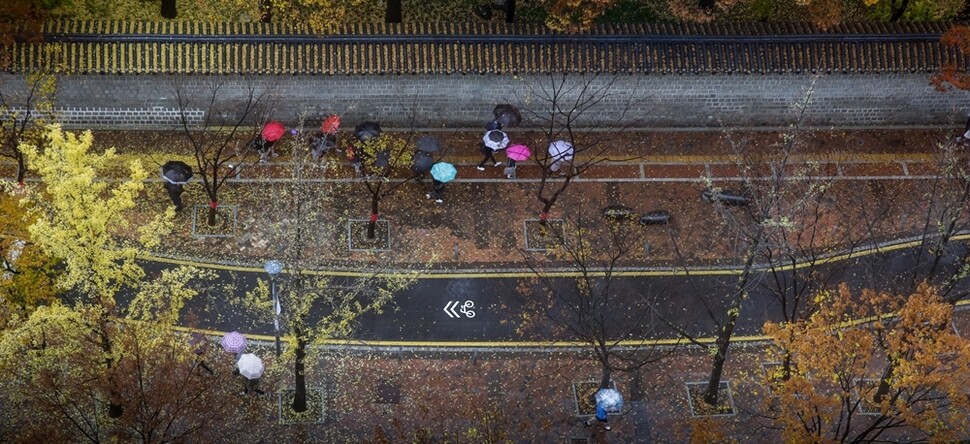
x,y
449,309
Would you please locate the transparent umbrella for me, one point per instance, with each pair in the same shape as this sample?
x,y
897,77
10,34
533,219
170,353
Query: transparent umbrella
x,y
610,399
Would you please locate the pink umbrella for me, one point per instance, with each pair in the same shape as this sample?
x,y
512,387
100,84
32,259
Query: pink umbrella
x,y
233,342
272,131
518,152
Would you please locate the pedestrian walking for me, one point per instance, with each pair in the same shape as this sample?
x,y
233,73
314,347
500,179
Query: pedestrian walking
x,y
966,131
263,147
175,193
515,153
437,191
601,416
492,141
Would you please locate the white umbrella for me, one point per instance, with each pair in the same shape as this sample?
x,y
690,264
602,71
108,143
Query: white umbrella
x,y
561,150
250,366
496,140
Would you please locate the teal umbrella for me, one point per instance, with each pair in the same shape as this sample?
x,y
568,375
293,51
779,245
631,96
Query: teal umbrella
x,y
443,172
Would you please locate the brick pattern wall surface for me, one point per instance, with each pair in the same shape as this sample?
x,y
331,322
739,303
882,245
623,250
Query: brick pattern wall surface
x,y
467,100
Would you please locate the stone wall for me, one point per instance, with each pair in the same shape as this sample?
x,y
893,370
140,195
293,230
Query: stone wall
x,y
151,101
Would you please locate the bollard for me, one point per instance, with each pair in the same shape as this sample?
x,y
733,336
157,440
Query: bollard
x,y
656,217
618,212
726,197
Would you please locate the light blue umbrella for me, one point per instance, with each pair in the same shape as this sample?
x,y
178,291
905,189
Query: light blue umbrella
x,y
443,172
610,399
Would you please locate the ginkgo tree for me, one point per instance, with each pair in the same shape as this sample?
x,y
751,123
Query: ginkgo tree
x,y
27,275
58,380
84,220
838,351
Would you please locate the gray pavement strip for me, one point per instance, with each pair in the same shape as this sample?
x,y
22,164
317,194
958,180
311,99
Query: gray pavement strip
x,y
502,272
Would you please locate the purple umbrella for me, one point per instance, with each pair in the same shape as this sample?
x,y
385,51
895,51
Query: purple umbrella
x,y
233,342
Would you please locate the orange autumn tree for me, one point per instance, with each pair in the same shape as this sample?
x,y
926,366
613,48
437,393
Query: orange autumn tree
x,y
828,396
952,74
574,15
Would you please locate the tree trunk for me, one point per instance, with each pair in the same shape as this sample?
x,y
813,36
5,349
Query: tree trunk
x,y
115,410
509,11
897,13
723,343
605,378
169,9
299,376
265,11
393,12
372,225
21,170
724,338
883,388
211,217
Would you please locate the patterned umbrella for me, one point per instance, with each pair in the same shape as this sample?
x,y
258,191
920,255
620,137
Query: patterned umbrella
x,y
610,399
443,172
272,131
250,366
518,152
331,124
496,140
233,342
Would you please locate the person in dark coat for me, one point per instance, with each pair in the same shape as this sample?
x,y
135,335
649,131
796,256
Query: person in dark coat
x,y
263,147
174,193
966,132
437,191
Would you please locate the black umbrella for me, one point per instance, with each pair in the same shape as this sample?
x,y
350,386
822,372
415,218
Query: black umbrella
x,y
507,115
428,144
422,162
367,130
383,159
176,172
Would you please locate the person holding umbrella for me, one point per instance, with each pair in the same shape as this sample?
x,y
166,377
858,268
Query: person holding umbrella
x,y
442,173
560,151
263,144
515,153
422,161
176,174
607,400
492,141
506,115
325,140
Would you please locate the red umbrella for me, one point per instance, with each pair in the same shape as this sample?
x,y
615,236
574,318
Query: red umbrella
x,y
518,152
272,131
331,124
